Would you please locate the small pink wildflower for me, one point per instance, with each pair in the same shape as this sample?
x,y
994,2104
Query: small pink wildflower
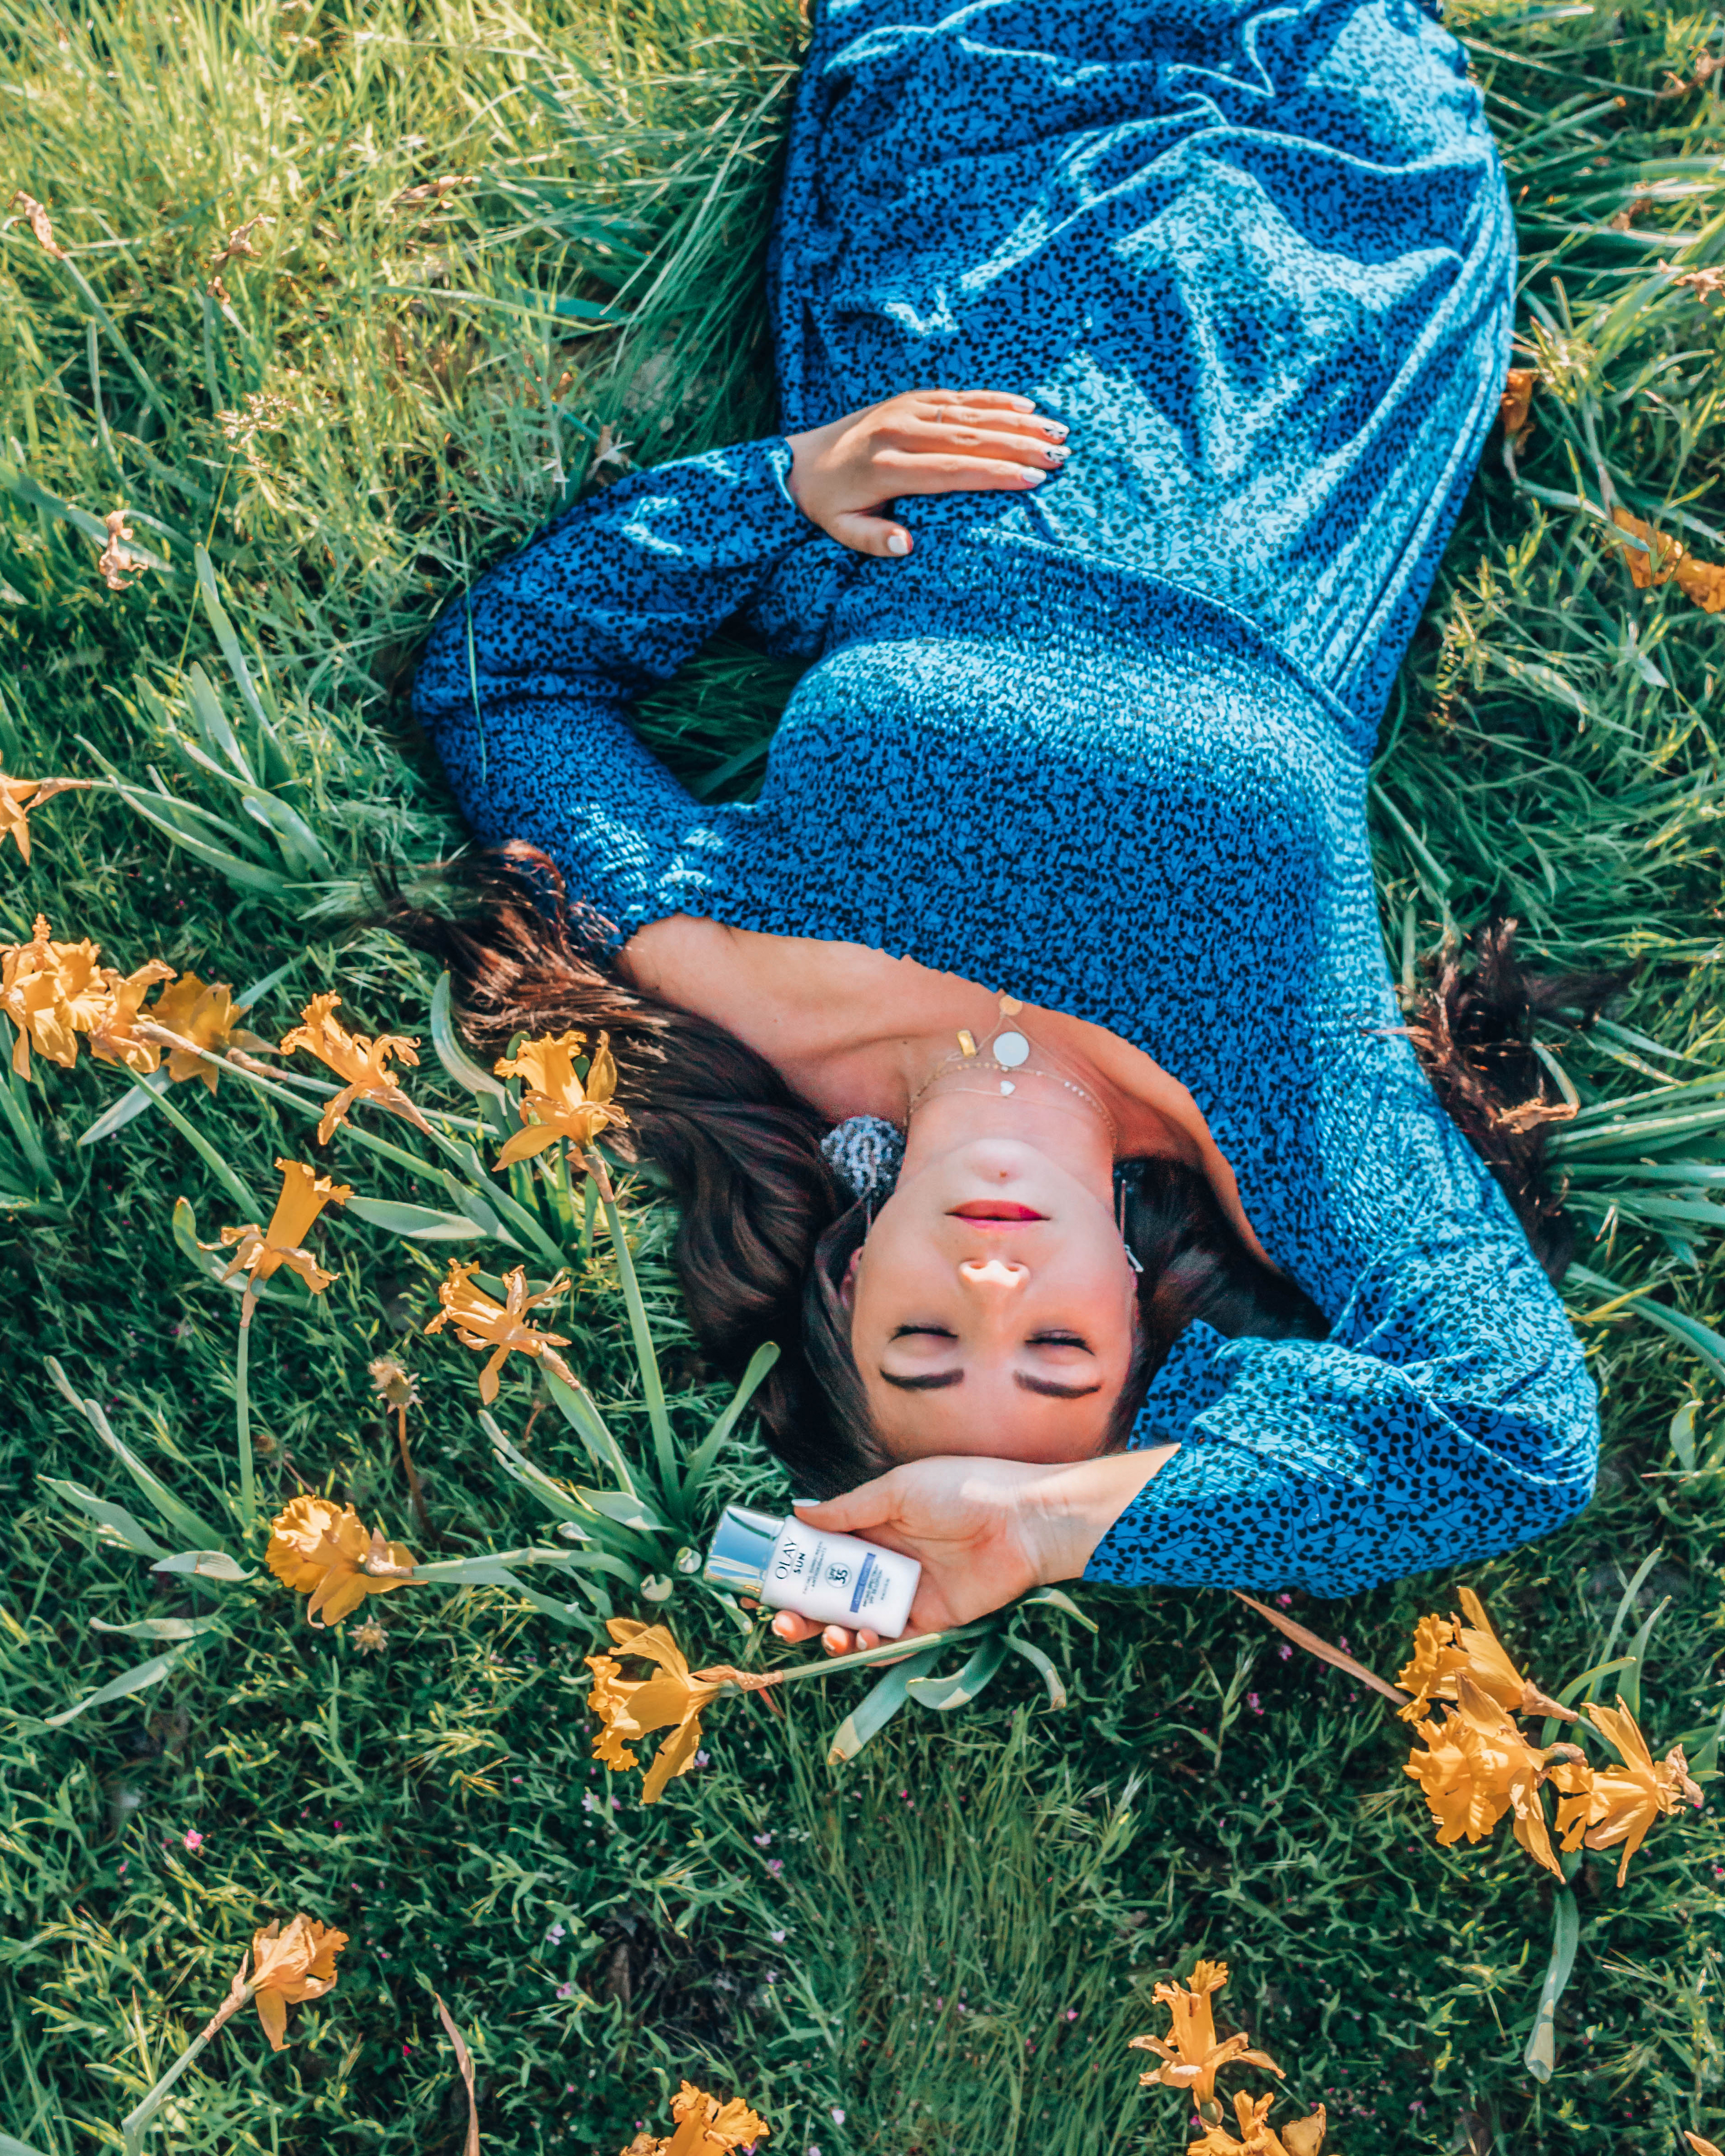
x,y
194,1839
1255,1704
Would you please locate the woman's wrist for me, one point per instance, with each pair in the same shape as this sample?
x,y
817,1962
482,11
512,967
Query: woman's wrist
x,y
1076,1506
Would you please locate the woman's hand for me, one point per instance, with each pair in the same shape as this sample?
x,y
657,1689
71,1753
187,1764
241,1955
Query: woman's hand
x,y
927,441
983,1531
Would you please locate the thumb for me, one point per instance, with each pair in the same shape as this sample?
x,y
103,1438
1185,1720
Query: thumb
x,y
848,1514
871,534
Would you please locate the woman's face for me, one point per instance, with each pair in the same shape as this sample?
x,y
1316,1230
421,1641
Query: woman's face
x,y
993,1308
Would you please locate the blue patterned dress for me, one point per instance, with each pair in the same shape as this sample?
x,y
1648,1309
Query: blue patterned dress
x,y
1103,745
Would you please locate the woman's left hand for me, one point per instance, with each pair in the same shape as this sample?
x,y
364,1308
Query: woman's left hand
x,y
983,1531
927,441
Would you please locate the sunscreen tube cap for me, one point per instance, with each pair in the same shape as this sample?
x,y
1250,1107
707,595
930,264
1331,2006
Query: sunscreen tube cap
x,y
742,1550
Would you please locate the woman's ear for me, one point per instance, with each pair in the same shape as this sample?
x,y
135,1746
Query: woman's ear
x,y
847,1285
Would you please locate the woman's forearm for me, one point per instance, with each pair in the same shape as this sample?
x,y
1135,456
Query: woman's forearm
x,y
1076,1506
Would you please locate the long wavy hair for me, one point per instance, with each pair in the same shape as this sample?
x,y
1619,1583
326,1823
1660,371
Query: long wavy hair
x,y
765,1232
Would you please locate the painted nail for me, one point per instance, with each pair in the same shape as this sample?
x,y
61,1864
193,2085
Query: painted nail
x,y
1053,427
1035,477
896,543
1055,454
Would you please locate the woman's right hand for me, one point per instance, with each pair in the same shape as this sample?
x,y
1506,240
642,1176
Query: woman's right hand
x,y
927,441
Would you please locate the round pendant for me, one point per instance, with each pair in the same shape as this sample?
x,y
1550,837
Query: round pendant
x,y
1012,1048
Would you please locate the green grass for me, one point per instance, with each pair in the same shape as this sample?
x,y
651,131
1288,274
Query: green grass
x,y
948,1941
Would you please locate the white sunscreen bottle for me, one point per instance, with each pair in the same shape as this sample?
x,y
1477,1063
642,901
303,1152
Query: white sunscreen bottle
x,y
836,1579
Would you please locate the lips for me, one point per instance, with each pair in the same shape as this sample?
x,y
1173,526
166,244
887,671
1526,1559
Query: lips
x,y
1000,1211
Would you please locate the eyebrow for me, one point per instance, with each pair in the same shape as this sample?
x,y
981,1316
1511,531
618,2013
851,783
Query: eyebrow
x,y
1052,1390
937,1381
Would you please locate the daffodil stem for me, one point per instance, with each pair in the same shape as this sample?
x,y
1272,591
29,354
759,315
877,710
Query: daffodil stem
x,y
206,1153
646,1355
131,2126
894,1650
243,1411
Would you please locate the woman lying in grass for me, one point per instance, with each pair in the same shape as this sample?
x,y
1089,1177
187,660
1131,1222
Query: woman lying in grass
x,y
1159,1258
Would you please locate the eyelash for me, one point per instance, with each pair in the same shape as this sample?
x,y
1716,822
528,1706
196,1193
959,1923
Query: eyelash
x,y
1058,1340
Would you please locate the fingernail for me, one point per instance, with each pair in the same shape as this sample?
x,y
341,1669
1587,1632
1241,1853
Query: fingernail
x,y
1055,454
796,1501
1054,427
896,543
1035,477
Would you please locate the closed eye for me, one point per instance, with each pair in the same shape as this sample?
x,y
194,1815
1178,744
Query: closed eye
x,y
1058,1340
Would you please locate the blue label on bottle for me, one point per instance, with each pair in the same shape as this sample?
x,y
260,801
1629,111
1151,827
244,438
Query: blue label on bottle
x,y
862,1583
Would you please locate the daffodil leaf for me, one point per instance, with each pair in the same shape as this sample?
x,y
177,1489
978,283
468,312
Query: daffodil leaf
x,y
179,1517
114,1518
160,1628
1057,1599
130,1104
420,1223
702,1460
884,1701
941,1695
1039,1662
560,1613
589,1424
627,1510
138,1679
1540,2055
453,1057
204,1564
8,2147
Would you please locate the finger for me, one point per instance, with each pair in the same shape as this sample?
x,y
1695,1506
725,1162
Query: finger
x,y
867,1505
956,417
932,436
837,1640
998,400
788,1625
908,473
871,534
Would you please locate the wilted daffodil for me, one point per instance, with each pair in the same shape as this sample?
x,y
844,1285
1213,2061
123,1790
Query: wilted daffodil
x,y
288,1966
112,1036
259,1253
18,796
363,1063
562,1104
1444,1646
481,1321
1701,2147
1191,2054
1300,2137
627,1708
1619,1804
323,1549
705,2126
201,1013
52,992
1477,1766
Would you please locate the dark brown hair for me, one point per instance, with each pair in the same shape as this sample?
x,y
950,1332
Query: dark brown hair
x,y
765,1232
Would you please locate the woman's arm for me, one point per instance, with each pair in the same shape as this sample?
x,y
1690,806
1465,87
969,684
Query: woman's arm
x,y
983,1531
527,679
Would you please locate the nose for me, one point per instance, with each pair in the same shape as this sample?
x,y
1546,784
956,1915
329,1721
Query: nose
x,y
992,1272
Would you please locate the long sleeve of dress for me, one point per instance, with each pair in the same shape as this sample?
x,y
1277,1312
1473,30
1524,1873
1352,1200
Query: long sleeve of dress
x,y
525,682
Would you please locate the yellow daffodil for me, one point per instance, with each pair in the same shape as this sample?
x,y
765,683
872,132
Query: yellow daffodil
x,y
259,1253
19,796
1660,557
52,992
481,1321
1302,2137
1477,1766
705,2126
1702,2148
323,1549
201,1013
562,1104
627,1708
1191,2054
363,1063
1444,1647
1619,1803
288,1966
113,1038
